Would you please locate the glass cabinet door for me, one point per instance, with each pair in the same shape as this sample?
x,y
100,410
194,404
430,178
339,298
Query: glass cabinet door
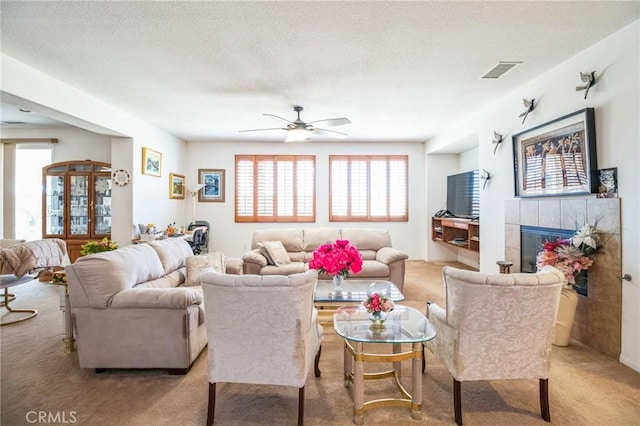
x,y
79,205
102,205
54,205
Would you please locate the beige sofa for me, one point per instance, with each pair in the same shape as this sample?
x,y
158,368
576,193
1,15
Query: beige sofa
x,y
380,260
131,307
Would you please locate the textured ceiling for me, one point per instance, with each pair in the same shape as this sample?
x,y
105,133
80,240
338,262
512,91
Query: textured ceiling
x,y
400,71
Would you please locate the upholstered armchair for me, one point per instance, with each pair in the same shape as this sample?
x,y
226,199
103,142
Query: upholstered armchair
x,y
261,330
496,327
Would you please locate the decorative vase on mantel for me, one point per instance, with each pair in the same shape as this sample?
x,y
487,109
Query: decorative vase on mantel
x,y
566,314
338,281
377,319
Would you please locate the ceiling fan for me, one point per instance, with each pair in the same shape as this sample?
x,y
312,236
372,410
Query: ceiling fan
x,y
298,130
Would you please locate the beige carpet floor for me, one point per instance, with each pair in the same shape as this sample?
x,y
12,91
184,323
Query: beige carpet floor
x,y
586,388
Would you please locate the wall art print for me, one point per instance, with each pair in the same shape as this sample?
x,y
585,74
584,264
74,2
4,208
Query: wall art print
x,y
608,183
557,158
151,162
176,186
213,180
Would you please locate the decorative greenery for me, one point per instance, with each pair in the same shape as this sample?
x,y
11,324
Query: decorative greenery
x,y
377,302
92,247
340,258
571,256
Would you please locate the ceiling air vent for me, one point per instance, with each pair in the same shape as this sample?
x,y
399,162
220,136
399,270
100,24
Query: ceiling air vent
x,y
13,122
499,69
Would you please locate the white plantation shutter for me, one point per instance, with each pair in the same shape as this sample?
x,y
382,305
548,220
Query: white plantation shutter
x,y
265,187
244,187
398,189
368,188
378,188
305,187
339,188
285,191
358,185
275,188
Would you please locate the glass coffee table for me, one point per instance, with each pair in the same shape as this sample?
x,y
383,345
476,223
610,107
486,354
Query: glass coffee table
x,y
404,325
327,300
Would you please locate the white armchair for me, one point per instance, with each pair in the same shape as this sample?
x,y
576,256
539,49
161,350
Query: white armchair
x,y
261,330
496,327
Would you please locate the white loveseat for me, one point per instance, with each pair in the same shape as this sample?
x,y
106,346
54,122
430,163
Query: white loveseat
x,y
131,308
380,260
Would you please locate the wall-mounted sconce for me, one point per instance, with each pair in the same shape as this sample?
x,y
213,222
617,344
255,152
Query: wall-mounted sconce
x,y
589,80
528,104
485,176
497,140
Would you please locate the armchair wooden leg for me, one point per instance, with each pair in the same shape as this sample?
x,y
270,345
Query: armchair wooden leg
x,y
212,404
301,406
457,401
544,400
316,367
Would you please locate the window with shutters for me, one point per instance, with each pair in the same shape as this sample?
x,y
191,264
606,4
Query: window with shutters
x,y
275,188
368,188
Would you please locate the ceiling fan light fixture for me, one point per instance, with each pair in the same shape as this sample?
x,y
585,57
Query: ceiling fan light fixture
x,y
298,135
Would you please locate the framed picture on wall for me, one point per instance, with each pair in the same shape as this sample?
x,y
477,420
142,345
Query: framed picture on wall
x,y
557,158
213,180
608,183
176,186
151,162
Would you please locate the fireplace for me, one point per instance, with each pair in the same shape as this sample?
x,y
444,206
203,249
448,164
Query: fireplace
x,y
598,318
531,240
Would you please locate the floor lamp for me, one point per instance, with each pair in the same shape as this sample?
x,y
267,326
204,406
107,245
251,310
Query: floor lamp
x,y
193,190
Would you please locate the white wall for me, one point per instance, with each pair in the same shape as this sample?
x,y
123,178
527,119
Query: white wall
x,y
73,143
616,99
147,199
235,238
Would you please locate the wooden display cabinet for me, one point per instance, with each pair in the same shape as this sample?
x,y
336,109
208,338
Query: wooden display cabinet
x,y
457,232
76,204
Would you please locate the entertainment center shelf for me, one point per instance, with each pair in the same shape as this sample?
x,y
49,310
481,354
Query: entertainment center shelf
x,y
461,233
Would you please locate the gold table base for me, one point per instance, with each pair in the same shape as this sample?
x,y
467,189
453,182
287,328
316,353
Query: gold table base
x,y
354,359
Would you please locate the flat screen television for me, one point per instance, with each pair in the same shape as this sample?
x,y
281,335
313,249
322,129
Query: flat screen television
x,y
463,194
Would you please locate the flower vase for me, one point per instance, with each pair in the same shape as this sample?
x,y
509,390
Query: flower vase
x,y
566,314
377,319
338,280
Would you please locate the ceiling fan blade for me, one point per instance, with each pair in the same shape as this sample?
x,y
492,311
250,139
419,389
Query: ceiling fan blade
x,y
331,133
260,130
332,121
278,117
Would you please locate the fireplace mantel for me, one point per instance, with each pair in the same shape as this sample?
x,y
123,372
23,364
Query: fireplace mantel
x,y
598,318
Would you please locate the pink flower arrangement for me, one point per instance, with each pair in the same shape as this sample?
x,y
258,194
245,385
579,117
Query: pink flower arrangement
x,y
378,303
340,258
570,256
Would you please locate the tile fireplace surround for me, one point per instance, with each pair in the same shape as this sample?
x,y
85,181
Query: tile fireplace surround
x,y
598,317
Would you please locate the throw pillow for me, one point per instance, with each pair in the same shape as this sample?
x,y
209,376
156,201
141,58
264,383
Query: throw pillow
x,y
197,264
277,252
265,253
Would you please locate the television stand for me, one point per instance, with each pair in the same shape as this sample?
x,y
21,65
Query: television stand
x,y
462,233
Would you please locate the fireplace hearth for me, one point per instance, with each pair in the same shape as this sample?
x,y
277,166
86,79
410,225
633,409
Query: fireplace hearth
x,y
598,319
